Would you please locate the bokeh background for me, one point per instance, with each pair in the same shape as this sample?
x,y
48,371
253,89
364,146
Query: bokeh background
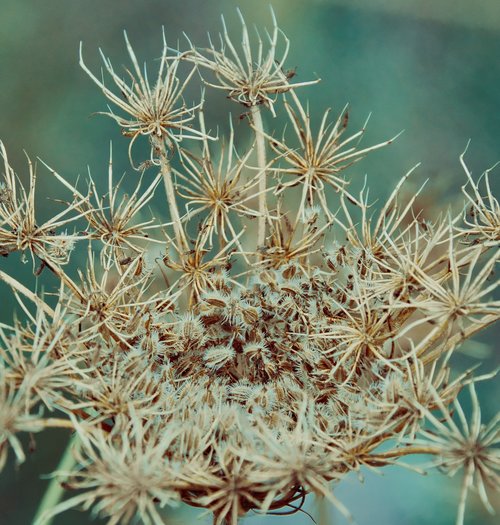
x,y
429,67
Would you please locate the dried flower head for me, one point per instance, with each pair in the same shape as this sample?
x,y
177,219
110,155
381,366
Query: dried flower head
x,y
253,78
153,109
483,211
123,476
319,160
14,419
19,228
112,218
471,446
254,365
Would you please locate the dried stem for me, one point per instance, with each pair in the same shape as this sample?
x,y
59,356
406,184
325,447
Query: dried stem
x,y
457,338
261,162
166,171
54,422
400,452
18,287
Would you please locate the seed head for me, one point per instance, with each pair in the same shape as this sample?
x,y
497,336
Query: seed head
x,y
253,78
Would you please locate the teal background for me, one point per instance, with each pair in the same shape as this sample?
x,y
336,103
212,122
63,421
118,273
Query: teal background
x,y
428,67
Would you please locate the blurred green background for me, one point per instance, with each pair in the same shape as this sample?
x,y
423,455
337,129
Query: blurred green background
x,y
429,67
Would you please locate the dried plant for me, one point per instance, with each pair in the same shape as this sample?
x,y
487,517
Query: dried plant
x,y
245,369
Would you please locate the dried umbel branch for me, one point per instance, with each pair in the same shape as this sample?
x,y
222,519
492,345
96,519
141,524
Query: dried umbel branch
x,y
483,215
19,228
254,367
157,109
472,446
253,78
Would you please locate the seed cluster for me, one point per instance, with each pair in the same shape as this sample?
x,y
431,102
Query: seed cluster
x,y
272,352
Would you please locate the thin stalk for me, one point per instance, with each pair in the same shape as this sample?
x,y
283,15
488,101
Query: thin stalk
x,y
54,422
469,472
406,451
258,127
64,279
55,490
166,171
462,335
220,227
323,509
20,288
